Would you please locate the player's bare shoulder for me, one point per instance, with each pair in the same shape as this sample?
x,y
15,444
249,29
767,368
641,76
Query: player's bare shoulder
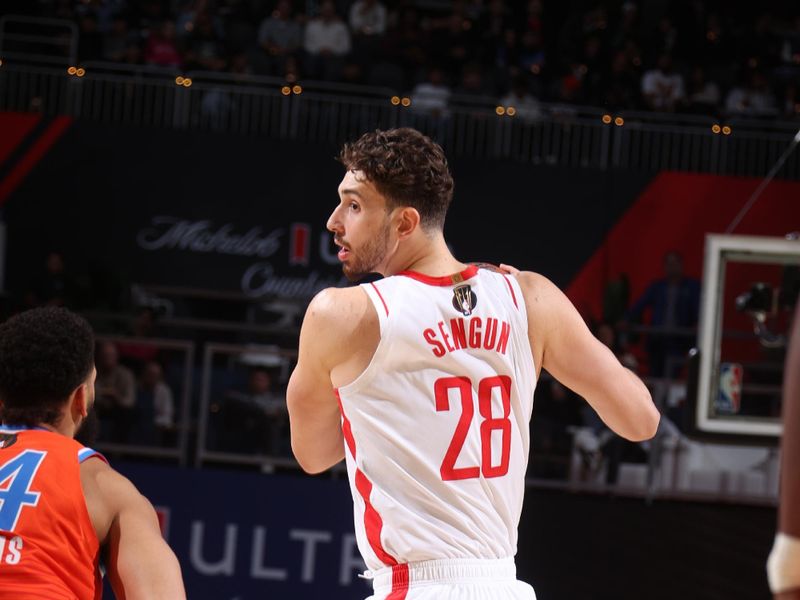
x,y
339,319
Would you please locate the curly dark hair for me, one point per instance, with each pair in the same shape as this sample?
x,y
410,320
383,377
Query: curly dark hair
x,y
45,354
407,168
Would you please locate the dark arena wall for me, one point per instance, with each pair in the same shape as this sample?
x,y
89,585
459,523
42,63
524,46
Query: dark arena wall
x,y
245,214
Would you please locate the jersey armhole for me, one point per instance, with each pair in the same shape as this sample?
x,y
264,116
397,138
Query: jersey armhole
x,y
85,454
378,300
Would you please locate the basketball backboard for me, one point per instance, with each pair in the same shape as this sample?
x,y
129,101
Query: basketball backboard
x,y
749,284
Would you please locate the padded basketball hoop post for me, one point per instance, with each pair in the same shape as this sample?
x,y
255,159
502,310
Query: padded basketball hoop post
x,y
719,250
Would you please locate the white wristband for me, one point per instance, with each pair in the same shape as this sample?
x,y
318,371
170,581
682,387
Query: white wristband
x,y
783,566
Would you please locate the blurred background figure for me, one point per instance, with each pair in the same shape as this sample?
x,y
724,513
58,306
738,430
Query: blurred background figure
x,y
115,392
674,304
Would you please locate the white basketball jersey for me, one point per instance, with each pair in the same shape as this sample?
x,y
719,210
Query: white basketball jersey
x,y
436,427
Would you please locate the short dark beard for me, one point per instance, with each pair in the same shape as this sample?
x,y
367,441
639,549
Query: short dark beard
x,y
371,255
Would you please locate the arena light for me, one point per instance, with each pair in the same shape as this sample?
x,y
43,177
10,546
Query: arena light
x,y
500,110
511,111
406,102
619,121
286,90
72,70
187,82
395,100
179,80
716,128
726,130
297,89
80,72
607,119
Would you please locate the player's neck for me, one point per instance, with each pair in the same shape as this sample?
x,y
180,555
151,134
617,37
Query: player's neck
x,y
430,256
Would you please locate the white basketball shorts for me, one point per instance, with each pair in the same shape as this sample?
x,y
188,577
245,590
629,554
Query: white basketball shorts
x,y
454,579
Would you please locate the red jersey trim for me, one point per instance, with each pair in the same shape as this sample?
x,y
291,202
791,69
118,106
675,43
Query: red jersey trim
x,y
446,280
377,291
373,522
511,289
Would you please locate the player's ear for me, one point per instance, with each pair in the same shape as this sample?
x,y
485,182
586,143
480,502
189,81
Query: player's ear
x,y
79,400
407,221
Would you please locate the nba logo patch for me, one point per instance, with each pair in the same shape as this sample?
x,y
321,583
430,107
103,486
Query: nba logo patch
x,y
729,397
464,300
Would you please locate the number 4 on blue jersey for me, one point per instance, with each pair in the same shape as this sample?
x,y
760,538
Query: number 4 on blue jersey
x,y
16,477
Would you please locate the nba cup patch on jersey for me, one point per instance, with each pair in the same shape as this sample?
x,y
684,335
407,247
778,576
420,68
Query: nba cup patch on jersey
x,y
464,300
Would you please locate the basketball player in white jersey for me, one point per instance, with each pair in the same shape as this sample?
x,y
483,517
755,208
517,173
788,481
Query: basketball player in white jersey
x,y
423,381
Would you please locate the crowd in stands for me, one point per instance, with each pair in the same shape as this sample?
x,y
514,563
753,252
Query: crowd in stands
x,y
696,56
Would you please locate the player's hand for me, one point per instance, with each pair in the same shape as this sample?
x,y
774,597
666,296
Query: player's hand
x,y
508,269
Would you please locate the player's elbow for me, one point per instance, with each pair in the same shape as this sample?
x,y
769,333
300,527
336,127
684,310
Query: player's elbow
x,y
645,426
310,460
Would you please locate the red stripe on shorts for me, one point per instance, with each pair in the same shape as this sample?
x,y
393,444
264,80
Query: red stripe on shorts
x,y
399,583
372,519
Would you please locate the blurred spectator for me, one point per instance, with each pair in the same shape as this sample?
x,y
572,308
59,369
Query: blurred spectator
x,y
431,96
327,42
674,302
280,37
117,39
256,420
453,39
621,84
525,105
367,18
204,47
662,87
368,26
754,99
115,394
556,409
472,81
155,408
703,96
53,286
790,52
90,46
143,327
161,49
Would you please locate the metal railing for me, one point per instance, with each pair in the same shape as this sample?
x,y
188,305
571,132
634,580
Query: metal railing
x,y
318,112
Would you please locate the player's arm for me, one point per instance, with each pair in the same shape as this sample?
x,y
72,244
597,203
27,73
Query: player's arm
x,y
314,416
784,561
564,346
141,566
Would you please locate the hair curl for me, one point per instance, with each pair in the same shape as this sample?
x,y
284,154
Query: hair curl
x,y
45,354
407,168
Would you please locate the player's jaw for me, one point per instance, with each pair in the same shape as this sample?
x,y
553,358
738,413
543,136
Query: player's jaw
x,y
359,260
